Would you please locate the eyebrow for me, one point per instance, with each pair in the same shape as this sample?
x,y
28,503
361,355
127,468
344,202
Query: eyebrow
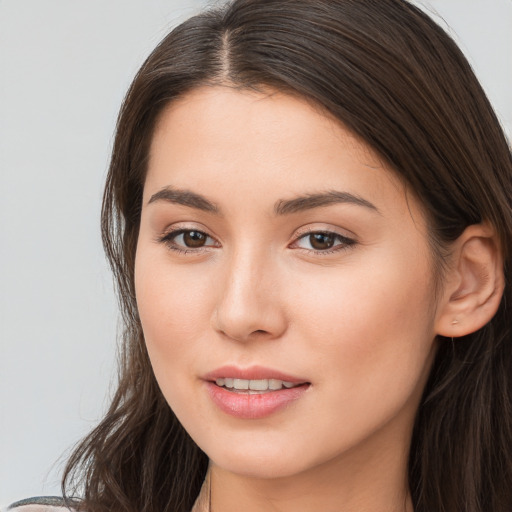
x,y
185,198
282,207
310,201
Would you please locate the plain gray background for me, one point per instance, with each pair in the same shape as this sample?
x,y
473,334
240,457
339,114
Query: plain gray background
x,y
64,68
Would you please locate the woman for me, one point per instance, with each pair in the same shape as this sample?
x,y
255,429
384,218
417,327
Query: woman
x,y
308,212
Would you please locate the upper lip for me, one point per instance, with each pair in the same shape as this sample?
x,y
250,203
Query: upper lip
x,y
251,373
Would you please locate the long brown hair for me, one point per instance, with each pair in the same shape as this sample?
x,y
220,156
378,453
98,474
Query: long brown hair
x,y
394,78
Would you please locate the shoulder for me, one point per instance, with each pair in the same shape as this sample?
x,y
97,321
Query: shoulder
x,y
42,504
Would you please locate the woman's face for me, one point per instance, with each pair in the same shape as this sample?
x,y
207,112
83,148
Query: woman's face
x,y
277,250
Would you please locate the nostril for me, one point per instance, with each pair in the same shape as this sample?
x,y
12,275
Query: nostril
x,y
245,321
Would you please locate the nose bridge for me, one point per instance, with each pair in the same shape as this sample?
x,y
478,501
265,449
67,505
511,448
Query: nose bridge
x,y
249,297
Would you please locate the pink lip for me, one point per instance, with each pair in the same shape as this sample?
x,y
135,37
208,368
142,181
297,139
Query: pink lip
x,y
252,373
246,406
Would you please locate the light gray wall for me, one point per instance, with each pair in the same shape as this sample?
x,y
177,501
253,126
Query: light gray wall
x,y
483,30
64,67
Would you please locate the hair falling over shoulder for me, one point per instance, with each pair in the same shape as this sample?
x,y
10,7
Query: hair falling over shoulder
x,y
396,80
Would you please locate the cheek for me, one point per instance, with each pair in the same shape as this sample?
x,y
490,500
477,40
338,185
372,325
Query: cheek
x,y
173,309
374,318
369,338
172,305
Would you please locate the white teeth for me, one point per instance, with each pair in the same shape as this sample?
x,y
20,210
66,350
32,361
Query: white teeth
x,y
275,384
240,384
253,385
258,385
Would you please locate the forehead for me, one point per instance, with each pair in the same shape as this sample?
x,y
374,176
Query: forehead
x,y
269,116
221,140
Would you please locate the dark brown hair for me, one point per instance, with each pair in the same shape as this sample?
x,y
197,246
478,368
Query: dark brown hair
x,y
394,78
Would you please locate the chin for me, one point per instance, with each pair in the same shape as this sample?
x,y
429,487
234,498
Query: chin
x,y
258,468
259,460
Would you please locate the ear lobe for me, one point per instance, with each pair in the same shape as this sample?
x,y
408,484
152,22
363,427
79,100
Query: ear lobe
x,y
473,284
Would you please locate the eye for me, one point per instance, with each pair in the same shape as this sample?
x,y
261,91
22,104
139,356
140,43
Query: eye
x,y
323,241
188,240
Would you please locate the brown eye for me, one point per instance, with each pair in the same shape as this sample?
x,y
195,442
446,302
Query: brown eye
x,y
322,241
183,240
194,239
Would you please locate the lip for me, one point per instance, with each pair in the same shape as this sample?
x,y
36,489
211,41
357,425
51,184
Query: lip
x,y
251,373
253,406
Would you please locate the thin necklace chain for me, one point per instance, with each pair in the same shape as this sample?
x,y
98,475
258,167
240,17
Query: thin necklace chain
x,y
210,492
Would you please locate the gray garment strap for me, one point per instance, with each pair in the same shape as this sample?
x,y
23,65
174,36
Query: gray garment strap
x,y
52,501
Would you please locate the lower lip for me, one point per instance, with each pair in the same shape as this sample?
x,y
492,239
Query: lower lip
x,y
251,407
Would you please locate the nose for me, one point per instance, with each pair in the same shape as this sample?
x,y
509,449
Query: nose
x,y
249,305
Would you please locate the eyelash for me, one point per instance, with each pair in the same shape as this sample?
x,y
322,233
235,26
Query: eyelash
x,y
345,242
169,240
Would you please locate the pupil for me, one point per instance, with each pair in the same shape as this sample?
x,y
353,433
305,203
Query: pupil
x,y
321,241
194,238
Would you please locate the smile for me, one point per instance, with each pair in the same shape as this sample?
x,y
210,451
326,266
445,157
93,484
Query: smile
x,y
253,393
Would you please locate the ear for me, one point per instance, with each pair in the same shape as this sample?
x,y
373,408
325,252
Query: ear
x,y
474,282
